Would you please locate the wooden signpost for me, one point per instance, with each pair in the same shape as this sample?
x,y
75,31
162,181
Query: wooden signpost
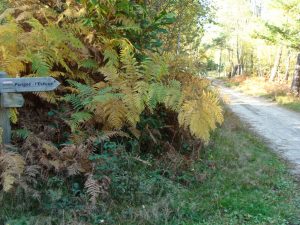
x,y
9,97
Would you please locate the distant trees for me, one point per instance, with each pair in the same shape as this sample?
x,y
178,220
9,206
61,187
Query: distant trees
x,y
285,31
261,39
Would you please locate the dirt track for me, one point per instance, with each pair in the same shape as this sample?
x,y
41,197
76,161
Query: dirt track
x,y
278,126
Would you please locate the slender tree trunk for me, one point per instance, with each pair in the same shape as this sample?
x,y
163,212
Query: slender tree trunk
x,y
252,62
230,72
287,66
266,73
259,66
237,70
275,68
296,79
241,61
220,62
178,42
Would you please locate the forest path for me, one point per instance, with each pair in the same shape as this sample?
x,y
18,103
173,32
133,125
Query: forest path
x,y
278,126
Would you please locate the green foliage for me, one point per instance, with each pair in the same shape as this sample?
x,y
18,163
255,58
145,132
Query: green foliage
x,y
119,86
3,6
225,187
134,78
21,133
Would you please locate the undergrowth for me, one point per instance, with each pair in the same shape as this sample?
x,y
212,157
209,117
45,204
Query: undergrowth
x,y
237,180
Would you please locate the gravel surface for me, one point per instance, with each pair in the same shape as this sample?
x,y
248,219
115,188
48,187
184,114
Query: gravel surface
x,y
278,126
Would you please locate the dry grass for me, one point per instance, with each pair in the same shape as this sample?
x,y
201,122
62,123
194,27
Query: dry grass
x,y
276,91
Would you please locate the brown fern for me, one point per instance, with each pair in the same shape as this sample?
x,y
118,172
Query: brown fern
x,y
11,168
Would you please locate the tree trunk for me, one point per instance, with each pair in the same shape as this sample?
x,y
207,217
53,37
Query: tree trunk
x,y
275,68
220,62
230,72
235,70
178,42
241,61
296,79
238,57
252,63
287,66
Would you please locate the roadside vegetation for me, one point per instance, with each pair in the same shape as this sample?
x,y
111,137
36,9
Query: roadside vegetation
x,y
278,92
237,180
135,133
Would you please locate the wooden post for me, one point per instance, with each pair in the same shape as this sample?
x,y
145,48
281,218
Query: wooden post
x,y
4,118
9,97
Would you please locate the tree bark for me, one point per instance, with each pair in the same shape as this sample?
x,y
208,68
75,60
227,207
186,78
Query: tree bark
x,y
237,70
178,43
251,62
241,61
220,62
275,68
230,72
296,79
287,66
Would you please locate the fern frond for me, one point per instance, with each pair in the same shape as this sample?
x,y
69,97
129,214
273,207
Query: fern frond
x,y
78,118
114,114
130,64
157,93
11,64
155,68
84,91
34,23
22,133
135,105
110,73
111,56
49,97
92,188
173,96
201,115
127,24
75,101
13,115
107,135
88,64
11,168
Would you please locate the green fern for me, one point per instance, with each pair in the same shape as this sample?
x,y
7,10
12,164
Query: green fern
x,y
40,66
21,133
77,119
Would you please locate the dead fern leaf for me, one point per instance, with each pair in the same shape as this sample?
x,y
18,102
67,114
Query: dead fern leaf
x,y
11,168
93,189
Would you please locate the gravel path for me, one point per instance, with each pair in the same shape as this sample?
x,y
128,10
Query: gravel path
x,y
278,126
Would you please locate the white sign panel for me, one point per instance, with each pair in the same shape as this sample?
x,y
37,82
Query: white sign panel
x,y
28,84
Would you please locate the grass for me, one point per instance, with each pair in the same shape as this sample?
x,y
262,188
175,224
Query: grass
x,y
278,92
248,185
238,181
289,102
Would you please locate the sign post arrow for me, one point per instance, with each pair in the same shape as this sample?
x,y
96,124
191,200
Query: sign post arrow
x,y
27,84
9,87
